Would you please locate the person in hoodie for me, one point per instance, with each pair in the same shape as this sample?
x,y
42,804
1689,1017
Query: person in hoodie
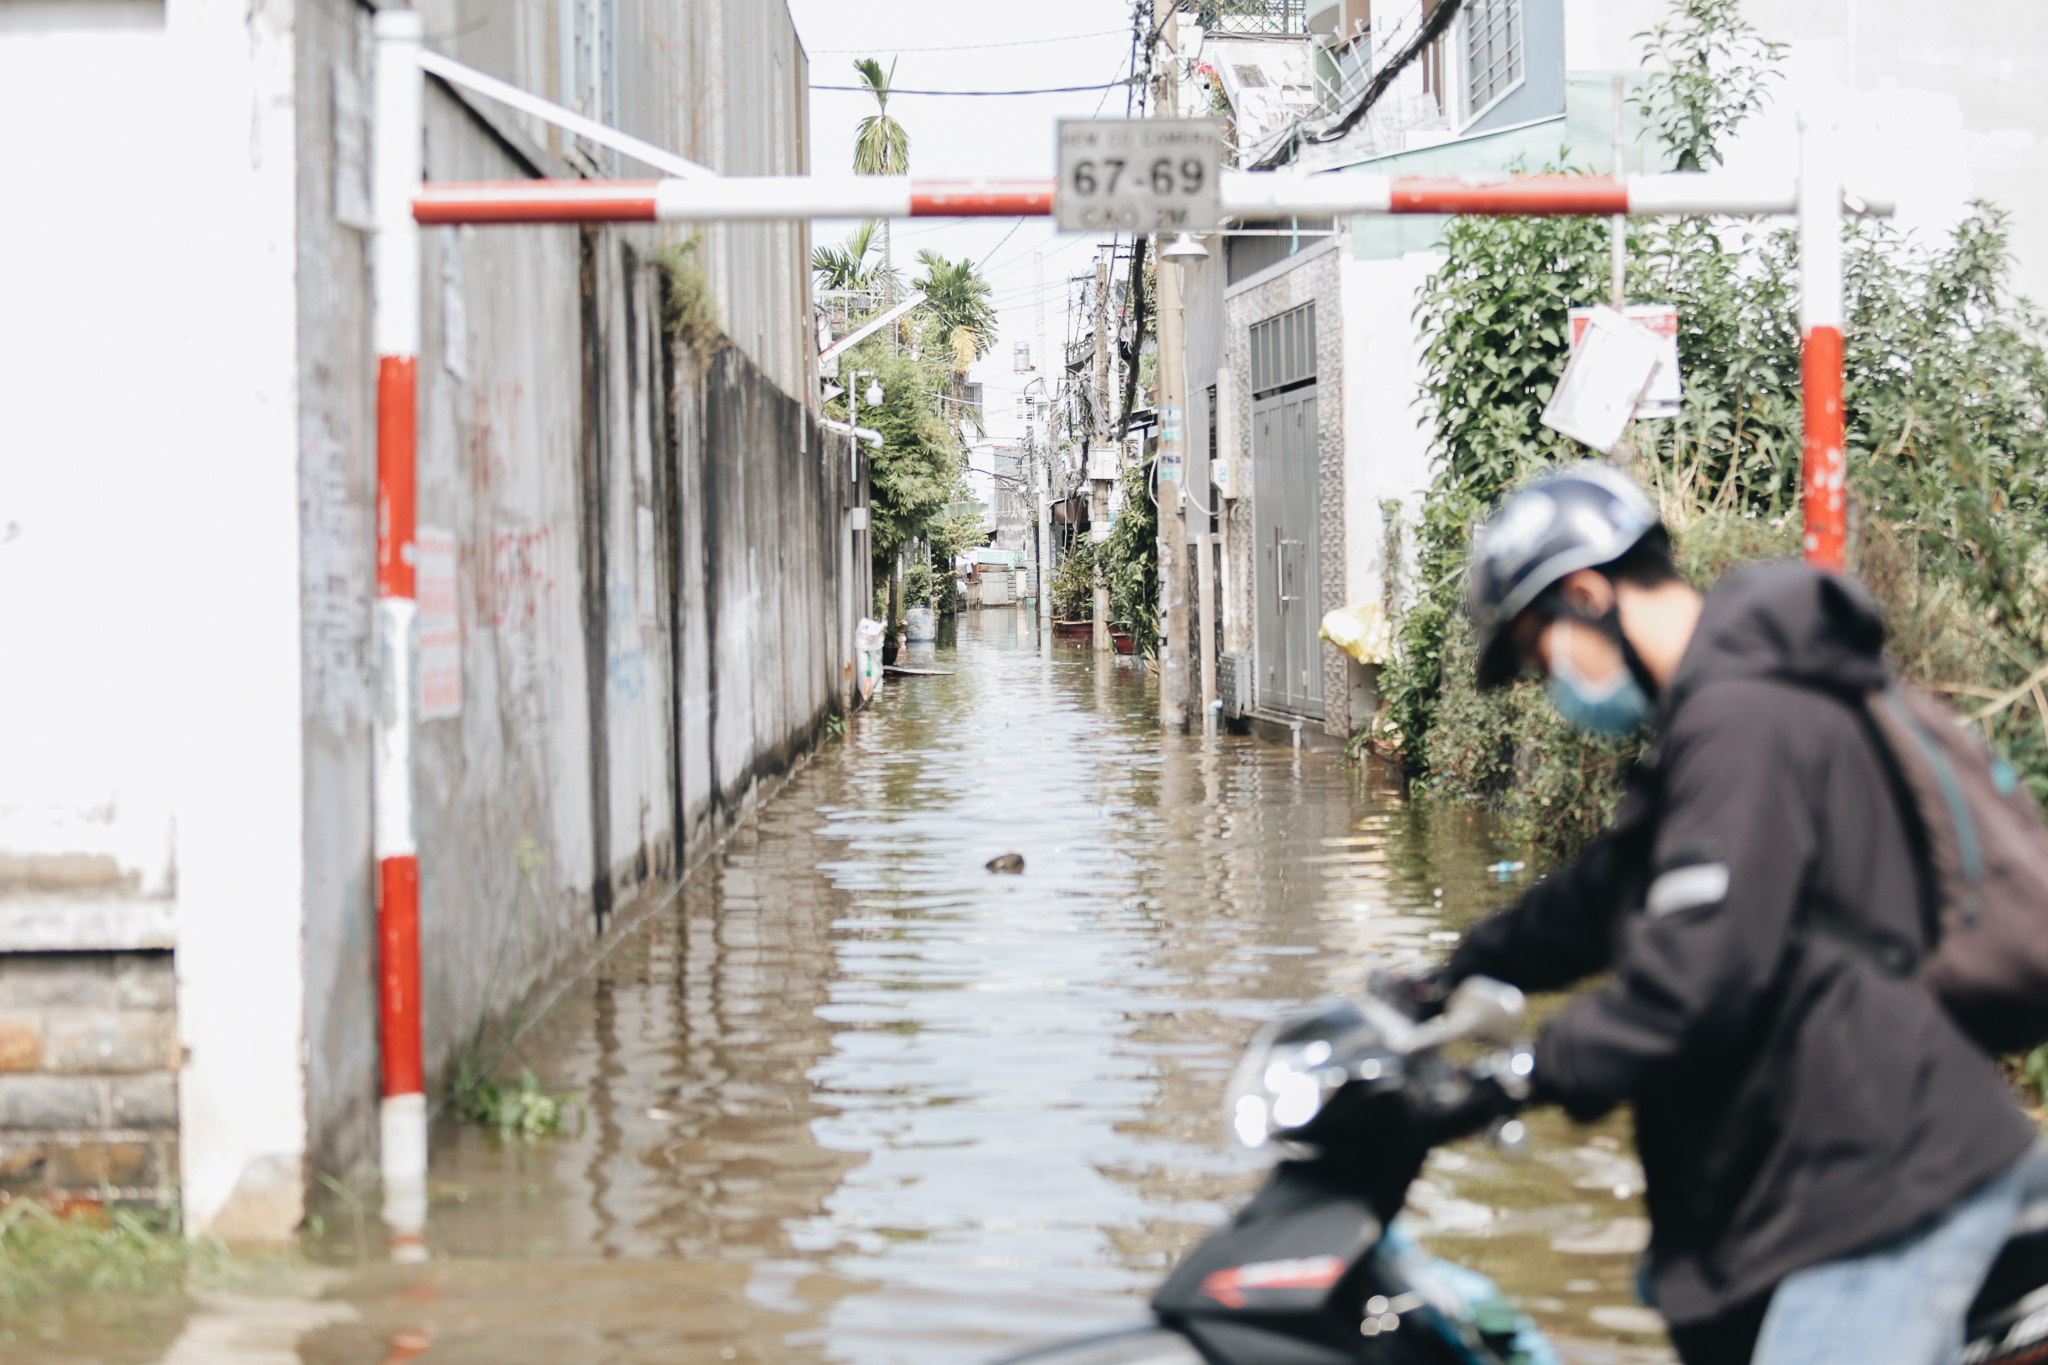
x,y
1831,1162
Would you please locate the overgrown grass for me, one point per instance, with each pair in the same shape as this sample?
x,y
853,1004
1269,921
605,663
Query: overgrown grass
x,y
109,1250
689,312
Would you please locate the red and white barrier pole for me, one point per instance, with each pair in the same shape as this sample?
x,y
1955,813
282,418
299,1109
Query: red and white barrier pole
x,y
1824,465
1243,194
395,329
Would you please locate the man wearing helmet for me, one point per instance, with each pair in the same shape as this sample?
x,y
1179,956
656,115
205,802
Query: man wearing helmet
x,y
1829,1157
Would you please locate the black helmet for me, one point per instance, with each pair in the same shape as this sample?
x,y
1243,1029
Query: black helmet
x,y
1577,518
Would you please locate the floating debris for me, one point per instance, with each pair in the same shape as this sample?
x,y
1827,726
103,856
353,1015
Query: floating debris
x,y
1006,862
1503,871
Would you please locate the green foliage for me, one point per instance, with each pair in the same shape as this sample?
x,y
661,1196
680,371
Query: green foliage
x,y
848,266
1947,444
114,1249
1718,72
920,465
522,1110
880,144
1131,557
689,313
959,315
1073,584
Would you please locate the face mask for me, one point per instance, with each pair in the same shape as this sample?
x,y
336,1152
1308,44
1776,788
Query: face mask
x,y
1610,709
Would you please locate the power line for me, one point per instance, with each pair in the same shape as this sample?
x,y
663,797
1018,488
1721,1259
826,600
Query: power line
x,y
968,47
1049,90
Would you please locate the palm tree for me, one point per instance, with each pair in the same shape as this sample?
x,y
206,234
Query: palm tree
x,y
880,144
958,312
959,317
847,266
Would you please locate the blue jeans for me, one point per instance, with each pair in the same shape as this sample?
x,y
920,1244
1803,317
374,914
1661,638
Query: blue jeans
x,y
1901,1303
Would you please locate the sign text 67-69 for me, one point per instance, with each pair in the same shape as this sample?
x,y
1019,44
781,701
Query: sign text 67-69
x,y
1138,175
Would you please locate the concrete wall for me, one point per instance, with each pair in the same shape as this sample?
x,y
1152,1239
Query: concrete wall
x,y
641,624
186,541
1387,456
723,82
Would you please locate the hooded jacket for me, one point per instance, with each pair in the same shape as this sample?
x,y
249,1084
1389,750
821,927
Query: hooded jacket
x,y
1794,1102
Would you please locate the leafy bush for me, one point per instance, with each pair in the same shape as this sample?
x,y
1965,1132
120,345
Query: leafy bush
x,y
1947,445
521,1110
1073,584
689,313
1131,558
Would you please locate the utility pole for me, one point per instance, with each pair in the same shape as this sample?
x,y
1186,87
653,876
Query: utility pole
x,y
1041,465
1098,489
1172,404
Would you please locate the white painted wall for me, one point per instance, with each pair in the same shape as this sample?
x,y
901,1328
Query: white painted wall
x,y
147,365
1386,432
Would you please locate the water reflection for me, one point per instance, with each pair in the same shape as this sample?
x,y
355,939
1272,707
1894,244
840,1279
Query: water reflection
x,y
854,1098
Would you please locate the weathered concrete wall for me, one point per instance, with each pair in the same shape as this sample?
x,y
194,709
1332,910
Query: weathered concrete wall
x,y
723,82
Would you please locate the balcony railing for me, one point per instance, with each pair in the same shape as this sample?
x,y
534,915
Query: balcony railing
x,y
1254,18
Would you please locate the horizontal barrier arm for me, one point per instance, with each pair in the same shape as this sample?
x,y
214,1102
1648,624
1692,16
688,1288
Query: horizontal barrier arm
x,y
1242,194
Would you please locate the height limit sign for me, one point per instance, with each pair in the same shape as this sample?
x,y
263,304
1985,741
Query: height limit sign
x,y
1138,175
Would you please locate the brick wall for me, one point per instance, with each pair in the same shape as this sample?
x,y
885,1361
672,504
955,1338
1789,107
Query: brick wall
x,y
88,1075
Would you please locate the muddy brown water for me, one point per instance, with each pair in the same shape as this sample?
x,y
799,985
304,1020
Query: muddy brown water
x,y
851,1097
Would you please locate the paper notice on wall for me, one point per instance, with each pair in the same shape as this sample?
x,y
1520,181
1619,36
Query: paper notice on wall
x,y
1661,396
440,623
1603,381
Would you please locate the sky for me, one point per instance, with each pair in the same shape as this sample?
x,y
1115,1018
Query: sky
x,y
986,47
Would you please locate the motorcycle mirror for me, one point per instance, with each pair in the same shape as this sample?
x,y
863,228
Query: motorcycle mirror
x,y
1481,1008
1487,1010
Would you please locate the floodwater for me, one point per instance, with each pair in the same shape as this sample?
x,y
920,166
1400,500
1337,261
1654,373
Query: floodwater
x,y
853,1098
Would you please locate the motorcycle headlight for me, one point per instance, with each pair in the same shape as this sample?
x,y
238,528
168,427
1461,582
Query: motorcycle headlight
x,y
1293,1067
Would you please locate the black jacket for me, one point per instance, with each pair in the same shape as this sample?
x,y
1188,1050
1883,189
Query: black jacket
x,y
1794,1103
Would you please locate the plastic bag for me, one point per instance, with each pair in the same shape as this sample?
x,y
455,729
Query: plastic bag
x,y
1362,631
867,643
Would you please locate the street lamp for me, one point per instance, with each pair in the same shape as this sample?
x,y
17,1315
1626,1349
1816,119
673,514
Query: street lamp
x,y
853,394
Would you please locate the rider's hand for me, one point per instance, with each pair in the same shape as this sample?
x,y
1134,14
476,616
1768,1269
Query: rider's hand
x,y
1419,996
1486,1098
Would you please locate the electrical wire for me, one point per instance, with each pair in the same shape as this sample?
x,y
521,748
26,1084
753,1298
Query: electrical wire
x,y
975,94
968,47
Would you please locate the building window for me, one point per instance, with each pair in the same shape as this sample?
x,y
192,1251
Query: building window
x,y
1284,351
1493,52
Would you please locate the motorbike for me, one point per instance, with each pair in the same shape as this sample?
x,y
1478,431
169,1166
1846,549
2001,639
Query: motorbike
x,y
1351,1096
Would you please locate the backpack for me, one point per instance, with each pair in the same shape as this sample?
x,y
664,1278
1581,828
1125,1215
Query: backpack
x,y
1986,849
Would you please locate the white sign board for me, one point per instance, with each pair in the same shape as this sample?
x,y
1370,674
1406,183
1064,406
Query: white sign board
x,y
1662,397
1102,462
1603,381
1138,175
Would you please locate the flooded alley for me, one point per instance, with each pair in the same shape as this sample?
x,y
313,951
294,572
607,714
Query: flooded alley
x,y
852,1097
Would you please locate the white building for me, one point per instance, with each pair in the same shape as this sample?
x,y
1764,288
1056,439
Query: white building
x,y
187,524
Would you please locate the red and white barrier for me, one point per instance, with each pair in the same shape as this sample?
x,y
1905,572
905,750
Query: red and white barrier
x,y
395,328
1253,194
1824,464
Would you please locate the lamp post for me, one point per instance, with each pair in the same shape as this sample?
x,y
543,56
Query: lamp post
x,y
874,400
